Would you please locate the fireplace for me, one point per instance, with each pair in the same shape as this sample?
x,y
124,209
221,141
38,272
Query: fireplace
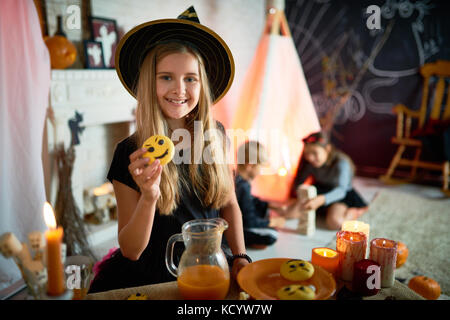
x,y
107,111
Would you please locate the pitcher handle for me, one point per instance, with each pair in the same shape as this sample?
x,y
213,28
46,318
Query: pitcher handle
x,y
173,269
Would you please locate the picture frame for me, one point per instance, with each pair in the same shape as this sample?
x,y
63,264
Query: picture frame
x,y
105,31
93,53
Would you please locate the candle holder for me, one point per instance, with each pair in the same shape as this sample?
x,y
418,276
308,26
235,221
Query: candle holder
x,y
384,252
326,258
366,277
352,248
66,295
358,226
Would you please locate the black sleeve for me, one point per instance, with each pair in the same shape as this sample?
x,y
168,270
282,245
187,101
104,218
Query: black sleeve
x,y
120,162
250,216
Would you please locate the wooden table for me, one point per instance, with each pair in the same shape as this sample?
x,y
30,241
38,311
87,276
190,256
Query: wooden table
x,y
169,291
160,291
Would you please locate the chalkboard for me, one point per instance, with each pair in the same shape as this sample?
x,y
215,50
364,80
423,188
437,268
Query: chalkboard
x,y
380,67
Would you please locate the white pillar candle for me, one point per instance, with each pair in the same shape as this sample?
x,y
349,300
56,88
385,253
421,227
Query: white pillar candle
x,y
384,252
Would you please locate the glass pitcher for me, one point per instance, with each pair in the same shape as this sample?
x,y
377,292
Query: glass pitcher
x,y
202,273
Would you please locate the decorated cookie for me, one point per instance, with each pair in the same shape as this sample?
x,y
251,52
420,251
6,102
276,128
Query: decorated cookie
x,y
295,292
159,148
296,270
137,296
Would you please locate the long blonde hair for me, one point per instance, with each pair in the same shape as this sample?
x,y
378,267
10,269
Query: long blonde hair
x,y
211,183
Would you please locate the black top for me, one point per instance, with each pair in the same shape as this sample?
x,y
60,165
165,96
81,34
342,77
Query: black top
x,y
120,272
254,211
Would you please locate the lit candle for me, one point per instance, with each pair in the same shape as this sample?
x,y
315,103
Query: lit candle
x,y
351,247
366,277
384,252
55,284
326,258
357,226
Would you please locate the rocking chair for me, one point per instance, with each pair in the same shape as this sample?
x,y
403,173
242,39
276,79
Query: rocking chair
x,y
431,121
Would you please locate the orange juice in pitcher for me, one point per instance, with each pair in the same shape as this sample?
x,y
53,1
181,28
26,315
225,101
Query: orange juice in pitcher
x,y
203,269
204,282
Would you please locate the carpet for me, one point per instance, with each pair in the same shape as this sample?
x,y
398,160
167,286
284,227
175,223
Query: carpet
x,y
422,224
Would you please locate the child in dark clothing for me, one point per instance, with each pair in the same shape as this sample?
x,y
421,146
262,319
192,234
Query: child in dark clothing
x,y
259,229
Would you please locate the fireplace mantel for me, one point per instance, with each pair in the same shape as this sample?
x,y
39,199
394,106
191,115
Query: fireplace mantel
x,y
97,94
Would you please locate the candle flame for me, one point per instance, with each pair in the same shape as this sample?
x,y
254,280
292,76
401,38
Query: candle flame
x,y
351,238
324,253
282,172
49,216
384,242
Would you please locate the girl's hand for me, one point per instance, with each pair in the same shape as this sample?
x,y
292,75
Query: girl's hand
x,y
147,177
238,264
314,203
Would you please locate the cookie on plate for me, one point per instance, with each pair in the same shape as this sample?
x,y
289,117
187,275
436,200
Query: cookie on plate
x,y
295,292
297,270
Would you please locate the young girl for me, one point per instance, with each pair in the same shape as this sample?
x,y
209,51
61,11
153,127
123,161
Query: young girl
x,y
332,171
176,68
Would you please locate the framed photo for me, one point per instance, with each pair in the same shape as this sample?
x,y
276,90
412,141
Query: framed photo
x,y
105,31
93,52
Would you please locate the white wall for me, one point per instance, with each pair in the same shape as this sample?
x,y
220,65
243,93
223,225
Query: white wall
x,y
239,22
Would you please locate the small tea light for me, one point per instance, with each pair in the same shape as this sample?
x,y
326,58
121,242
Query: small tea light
x,y
384,252
326,258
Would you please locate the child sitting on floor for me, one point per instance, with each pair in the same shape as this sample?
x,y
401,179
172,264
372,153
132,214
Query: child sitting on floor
x,y
259,229
332,172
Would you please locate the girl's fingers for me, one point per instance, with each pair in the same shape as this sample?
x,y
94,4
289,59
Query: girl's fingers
x,y
137,167
137,154
154,175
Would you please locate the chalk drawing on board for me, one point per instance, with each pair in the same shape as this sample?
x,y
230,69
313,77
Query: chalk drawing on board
x,y
319,36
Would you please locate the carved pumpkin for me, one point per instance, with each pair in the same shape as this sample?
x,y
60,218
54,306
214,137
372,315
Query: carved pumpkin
x,y
62,52
402,254
426,287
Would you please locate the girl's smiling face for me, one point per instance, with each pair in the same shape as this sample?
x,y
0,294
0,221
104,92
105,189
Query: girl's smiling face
x,y
177,84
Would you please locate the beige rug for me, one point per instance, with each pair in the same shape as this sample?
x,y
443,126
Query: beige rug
x,y
423,225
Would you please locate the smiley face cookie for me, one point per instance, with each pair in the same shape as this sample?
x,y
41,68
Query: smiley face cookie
x,y
295,292
296,270
159,148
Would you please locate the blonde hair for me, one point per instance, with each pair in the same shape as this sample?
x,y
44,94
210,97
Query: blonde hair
x,y
211,183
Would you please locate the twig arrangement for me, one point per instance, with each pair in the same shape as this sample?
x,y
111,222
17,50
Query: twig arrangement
x,y
67,213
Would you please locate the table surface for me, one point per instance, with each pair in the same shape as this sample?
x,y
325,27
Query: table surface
x,y
169,291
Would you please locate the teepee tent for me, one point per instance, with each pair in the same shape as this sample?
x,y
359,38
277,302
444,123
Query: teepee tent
x,y
275,105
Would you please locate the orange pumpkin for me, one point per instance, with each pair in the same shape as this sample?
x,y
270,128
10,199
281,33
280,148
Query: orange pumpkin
x,y
402,254
62,52
426,287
